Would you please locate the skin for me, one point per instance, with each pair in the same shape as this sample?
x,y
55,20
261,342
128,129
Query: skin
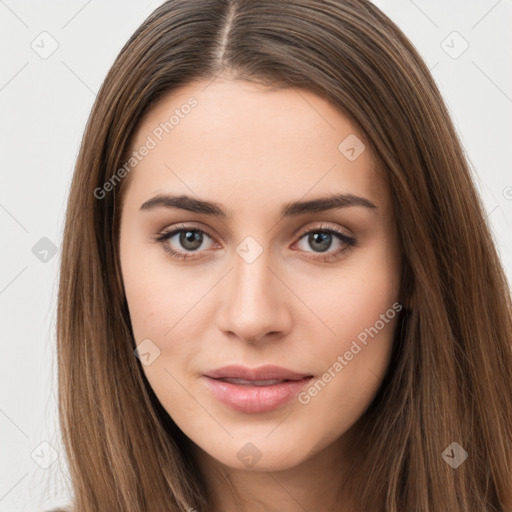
x,y
252,150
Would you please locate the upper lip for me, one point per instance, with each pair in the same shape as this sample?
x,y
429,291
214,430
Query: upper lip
x,y
266,372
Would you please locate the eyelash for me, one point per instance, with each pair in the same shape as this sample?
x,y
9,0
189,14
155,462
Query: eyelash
x,y
163,236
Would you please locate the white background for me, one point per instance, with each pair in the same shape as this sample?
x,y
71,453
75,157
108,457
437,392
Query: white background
x,y
44,105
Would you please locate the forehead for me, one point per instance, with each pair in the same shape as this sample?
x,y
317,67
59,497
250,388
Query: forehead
x,y
235,139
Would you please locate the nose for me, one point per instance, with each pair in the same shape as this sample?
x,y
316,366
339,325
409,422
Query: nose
x,y
252,302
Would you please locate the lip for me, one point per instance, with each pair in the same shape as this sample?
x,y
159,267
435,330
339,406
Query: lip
x,y
266,372
255,398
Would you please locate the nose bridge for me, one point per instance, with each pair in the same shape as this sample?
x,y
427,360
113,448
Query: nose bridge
x,y
252,276
251,279
252,305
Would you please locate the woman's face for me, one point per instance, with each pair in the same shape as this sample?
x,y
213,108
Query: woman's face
x,y
245,173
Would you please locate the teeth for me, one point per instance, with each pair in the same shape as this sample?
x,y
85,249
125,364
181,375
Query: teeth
x,y
253,382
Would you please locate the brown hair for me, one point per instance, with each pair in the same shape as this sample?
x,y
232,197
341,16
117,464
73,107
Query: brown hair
x,y
449,379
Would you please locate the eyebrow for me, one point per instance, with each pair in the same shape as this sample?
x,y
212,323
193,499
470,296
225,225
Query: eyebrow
x,y
191,204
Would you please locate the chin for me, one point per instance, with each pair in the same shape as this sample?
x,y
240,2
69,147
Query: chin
x,y
257,455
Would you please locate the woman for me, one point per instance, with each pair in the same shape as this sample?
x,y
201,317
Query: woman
x,y
278,288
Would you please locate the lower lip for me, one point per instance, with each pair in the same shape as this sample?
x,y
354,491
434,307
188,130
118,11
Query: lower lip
x,y
255,398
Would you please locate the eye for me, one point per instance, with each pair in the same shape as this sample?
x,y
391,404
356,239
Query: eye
x,y
191,239
322,238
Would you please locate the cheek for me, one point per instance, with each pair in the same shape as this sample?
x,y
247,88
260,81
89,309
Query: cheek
x,y
165,308
363,323
146,305
153,289
361,307
354,361
157,312
357,296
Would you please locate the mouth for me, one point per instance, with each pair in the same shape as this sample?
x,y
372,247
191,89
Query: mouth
x,y
255,390
243,382
259,374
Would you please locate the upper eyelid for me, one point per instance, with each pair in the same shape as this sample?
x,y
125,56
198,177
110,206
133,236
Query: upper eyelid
x,y
323,227
177,229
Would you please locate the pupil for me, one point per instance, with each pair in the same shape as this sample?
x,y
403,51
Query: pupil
x,y
323,238
191,240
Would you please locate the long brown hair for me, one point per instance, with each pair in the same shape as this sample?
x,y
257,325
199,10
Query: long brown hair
x,y
449,379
